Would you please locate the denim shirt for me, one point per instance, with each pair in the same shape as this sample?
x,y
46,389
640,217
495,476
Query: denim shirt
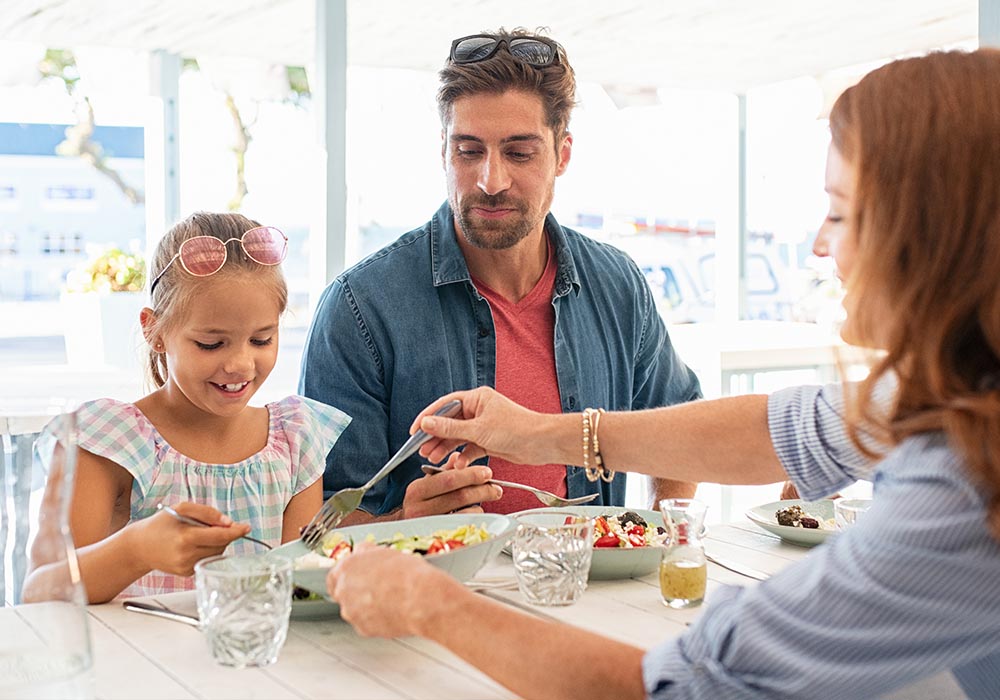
x,y
406,325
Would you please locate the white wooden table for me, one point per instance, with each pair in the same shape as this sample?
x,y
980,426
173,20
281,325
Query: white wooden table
x,y
139,656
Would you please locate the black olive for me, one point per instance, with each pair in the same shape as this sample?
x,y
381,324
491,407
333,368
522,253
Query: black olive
x,y
631,517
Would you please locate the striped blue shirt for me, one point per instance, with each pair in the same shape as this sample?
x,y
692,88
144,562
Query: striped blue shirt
x,y
911,591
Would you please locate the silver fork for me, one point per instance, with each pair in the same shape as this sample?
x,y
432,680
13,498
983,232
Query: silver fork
x,y
549,499
346,501
194,521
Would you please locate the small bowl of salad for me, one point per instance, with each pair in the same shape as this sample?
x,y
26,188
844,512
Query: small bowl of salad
x,y
626,540
457,543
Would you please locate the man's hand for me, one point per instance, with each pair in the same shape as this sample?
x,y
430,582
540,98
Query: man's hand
x,y
451,491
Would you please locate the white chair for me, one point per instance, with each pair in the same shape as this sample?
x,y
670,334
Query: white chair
x,y
17,437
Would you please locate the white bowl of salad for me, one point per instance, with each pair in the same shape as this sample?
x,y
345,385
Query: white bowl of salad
x,y
458,543
626,540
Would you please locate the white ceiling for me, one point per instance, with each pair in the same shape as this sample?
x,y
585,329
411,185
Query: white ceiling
x,y
716,44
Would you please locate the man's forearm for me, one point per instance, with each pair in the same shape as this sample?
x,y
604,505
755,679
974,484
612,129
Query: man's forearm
x,y
535,658
668,488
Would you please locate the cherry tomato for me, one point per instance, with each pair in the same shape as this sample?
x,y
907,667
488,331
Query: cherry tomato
x,y
607,541
436,546
453,544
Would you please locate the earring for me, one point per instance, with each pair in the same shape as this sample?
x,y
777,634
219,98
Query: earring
x,y
158,347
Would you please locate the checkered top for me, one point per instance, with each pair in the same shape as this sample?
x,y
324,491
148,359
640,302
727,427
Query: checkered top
x,y
256,490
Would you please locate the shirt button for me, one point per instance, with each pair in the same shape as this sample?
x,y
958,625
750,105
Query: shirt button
x,y
484,332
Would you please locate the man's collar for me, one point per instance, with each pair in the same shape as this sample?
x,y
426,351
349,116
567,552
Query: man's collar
x,y
448,264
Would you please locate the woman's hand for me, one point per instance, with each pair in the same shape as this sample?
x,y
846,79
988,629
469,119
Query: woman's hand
x,y
162,542
366,581
491,424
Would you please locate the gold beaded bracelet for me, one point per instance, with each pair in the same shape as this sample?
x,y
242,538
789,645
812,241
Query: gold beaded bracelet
x,y
591,423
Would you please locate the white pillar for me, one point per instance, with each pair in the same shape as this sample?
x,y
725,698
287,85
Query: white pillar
x,y
989,22
162,152
328,236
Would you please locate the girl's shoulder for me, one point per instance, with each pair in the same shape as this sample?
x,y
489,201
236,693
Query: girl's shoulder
x,y
116,430
103,416
306,422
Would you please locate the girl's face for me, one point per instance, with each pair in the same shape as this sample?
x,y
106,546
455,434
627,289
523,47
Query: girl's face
x,y
221,353
837,236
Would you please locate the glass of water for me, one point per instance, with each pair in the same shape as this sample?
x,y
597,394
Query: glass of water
x,y
243,605
552,557
847,511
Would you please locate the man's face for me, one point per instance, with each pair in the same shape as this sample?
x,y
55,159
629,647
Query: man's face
x,y
500,163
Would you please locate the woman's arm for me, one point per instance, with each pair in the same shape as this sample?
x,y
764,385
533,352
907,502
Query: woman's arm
x,y
724,441
532,657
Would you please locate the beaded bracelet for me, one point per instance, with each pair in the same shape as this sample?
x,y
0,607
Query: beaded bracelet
x,y
591,423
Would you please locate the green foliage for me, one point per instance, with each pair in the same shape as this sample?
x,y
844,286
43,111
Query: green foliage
x,y
61,64
298,83
109,270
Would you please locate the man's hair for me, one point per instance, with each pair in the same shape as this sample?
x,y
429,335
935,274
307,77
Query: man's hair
x,y
177,290
555,84
923,136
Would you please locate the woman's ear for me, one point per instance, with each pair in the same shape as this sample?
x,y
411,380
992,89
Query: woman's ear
x,y
148,322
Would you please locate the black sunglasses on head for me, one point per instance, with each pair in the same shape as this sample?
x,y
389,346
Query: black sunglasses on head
x,y
535,51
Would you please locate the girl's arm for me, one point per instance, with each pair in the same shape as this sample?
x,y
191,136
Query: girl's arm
x,y
112,554
300,510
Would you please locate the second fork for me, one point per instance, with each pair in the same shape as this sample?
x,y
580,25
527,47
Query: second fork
x,y
549,499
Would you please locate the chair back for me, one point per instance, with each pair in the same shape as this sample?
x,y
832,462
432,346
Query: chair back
x,y
17,484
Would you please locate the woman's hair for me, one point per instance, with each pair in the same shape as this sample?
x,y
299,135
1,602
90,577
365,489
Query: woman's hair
x,y
177,290
555,84
924,137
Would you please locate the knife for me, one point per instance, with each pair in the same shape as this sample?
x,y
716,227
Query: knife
x,y
159,610
738,568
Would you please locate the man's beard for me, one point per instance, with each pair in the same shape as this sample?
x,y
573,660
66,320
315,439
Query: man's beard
x,y
494,235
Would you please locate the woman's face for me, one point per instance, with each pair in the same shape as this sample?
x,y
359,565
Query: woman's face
x,y
837,236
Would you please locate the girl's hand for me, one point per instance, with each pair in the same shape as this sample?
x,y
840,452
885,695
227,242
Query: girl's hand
x,y
162,542
491,424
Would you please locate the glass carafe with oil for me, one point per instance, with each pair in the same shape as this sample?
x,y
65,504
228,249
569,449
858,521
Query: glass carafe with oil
x,y
683,570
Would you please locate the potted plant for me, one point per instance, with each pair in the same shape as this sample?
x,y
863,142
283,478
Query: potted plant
x,y
101,303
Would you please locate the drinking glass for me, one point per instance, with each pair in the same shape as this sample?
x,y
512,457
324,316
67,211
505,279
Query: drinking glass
x,y
683,569
243,606
47,653
552,558
847,511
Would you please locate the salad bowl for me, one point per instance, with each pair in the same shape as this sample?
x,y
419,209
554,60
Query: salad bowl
x,y
462,563
612,563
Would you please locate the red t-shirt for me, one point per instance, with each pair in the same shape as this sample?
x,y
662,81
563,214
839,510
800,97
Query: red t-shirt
x,y
526,373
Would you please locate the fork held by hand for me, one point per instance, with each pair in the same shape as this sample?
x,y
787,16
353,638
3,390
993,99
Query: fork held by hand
x,y
346,501
192,521
549,499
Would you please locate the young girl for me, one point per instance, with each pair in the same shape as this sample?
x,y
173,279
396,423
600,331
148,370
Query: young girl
x,y
194,444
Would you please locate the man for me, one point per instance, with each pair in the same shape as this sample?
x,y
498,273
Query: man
x,y
492,290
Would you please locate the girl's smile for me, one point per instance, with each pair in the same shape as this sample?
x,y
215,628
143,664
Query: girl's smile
x,y
224,348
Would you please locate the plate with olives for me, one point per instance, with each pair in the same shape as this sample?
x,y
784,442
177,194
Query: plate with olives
x,y
805,523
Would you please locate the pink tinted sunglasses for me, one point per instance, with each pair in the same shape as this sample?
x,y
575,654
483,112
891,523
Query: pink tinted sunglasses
x,y
202,256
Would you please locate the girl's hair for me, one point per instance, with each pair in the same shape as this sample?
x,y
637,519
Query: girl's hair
x,y
555,84
924,137
177,289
